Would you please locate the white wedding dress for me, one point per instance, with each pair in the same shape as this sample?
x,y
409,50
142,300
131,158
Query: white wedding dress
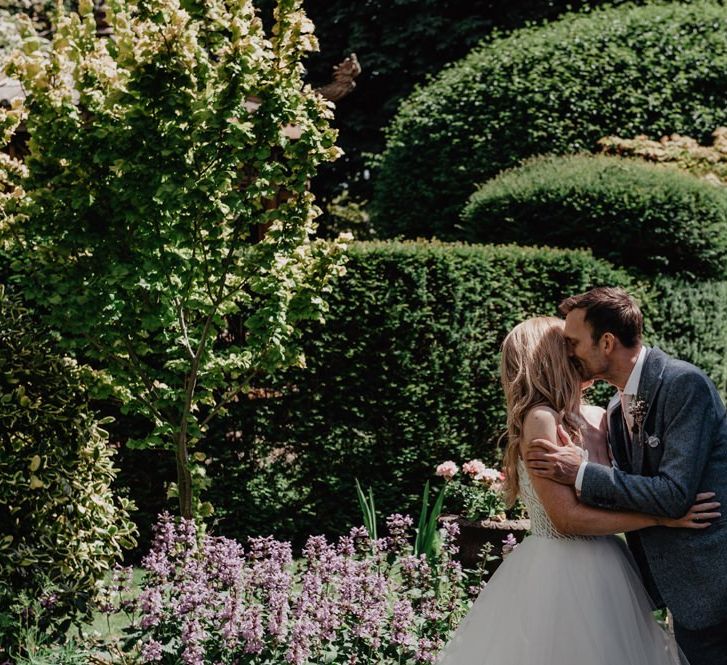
x,y
561,600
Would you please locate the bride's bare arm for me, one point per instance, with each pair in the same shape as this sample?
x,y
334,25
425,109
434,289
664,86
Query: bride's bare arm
x,y
571,517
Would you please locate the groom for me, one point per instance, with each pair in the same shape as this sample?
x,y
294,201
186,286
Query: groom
x,y
667,430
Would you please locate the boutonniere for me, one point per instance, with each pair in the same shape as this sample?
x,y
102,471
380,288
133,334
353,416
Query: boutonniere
x,y
637,410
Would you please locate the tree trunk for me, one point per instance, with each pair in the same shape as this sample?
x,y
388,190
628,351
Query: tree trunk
x,y
184,477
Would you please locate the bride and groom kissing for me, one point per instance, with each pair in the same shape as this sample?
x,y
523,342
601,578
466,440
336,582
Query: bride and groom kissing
x,y
652,466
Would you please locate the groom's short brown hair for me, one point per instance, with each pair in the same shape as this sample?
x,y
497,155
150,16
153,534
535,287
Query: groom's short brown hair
x,y
609,309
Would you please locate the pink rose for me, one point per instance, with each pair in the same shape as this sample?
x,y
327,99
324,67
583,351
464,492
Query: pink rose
x,y
473,468
447,470
488,476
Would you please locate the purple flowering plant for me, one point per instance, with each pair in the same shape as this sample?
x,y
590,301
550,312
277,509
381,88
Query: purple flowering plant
x,y
208,600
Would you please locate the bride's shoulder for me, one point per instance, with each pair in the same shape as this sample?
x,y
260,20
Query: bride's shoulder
x,y
540,416
540,422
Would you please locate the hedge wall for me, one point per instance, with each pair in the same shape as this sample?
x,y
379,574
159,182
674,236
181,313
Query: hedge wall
x,y
635,214
690,322
403,374
623,71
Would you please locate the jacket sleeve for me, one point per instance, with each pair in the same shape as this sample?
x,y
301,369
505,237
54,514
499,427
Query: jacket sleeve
x,y
694,412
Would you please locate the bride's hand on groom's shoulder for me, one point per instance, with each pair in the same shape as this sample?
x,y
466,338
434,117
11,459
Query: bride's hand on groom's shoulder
x,y
560,463
699,516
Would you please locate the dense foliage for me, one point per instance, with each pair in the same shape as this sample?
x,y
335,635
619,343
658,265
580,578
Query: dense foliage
x,y
623,71
690,322
404,374
11,11
399,44
635,214
61,528
9,33
155,161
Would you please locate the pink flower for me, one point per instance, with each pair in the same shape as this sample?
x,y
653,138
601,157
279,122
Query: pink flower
x,y
447,470
488,475
474,468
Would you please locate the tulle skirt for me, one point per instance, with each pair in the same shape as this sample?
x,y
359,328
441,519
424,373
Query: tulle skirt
x,y
563,602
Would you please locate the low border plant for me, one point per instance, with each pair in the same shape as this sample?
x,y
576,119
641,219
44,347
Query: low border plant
x,y
207,599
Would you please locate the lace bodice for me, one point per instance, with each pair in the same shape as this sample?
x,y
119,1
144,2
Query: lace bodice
x,y
540,523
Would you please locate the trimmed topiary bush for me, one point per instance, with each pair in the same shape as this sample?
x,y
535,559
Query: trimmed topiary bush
x,y
61,527
559,88
690,322
632,213
399,44
403,374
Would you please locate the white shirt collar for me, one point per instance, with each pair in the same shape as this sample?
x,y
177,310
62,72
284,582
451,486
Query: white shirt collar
x,y
632,385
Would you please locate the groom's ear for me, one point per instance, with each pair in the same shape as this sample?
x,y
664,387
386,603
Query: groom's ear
x,y
608,343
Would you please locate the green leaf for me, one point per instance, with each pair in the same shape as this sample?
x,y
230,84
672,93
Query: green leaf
x,y
420,539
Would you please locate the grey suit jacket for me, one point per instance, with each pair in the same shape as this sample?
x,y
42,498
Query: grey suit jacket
x,y
679,450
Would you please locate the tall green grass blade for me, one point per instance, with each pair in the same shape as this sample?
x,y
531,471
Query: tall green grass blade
x,y
368,509
373,533
418,545
432,532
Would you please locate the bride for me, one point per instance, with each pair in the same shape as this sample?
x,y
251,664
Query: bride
x,y
569,594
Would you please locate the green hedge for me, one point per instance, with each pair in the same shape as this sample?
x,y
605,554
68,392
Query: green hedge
x,y
61,527
691,323
558,88
404,374
399,44
633,213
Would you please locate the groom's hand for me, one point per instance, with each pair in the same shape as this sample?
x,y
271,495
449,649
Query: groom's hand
x,y
549,460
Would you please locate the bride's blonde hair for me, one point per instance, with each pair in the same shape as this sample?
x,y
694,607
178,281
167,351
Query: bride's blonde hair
x,y
536,371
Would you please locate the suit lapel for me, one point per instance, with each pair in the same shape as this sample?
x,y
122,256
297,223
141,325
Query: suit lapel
x,y
649,385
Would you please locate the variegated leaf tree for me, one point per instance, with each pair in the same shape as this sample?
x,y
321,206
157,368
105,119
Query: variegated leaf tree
x,y
134,224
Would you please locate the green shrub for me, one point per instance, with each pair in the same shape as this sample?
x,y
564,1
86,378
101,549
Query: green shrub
x,y
403,374
398,44
559,88
61,528
691,323
629,212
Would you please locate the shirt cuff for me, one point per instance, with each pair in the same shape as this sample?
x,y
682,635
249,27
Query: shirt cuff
x,y
580,474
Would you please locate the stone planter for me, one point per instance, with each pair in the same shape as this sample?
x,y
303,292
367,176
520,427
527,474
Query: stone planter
x,y
473,536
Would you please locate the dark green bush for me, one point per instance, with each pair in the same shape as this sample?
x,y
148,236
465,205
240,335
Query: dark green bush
x,y
398,44
558,88
61,528
632,213
690,322
404,374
